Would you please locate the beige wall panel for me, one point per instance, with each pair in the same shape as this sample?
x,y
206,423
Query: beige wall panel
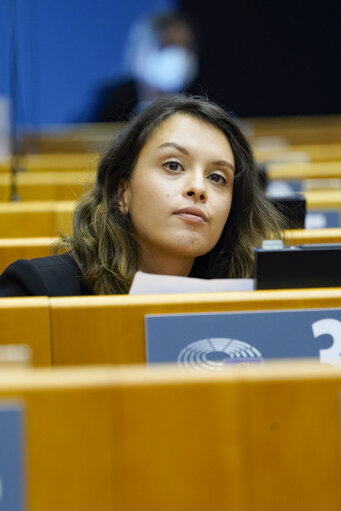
x,y
27,321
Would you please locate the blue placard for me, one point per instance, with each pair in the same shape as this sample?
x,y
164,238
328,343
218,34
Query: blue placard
x,y
12,495
213,340
284,187
322,219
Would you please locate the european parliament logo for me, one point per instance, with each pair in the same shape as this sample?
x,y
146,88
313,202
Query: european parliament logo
x,y
214,353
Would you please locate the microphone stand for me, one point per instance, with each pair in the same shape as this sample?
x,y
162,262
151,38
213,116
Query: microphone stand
x,y
14,134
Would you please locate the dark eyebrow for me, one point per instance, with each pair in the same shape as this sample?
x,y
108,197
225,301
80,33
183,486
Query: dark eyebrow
x,y
175,146
221,163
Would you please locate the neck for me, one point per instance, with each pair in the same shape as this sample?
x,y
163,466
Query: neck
x,y
165,265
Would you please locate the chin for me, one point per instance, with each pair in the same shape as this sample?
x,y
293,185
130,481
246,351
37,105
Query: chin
x,y
191,252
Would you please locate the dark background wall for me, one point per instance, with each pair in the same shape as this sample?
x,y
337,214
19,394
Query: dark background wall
x,y
258,57
263,58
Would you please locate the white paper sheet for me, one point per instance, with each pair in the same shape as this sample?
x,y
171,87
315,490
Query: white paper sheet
x,y
146,283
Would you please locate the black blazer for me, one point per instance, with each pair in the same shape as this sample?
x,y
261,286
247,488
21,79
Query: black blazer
x,y
44,276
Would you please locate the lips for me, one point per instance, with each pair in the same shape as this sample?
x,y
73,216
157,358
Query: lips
x,y
192,214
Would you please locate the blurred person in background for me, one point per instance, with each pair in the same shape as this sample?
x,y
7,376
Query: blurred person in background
x,y
161,57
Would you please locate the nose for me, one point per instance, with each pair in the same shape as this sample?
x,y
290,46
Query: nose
x,y
196,188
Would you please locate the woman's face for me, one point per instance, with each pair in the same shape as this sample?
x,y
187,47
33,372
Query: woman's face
x,y
179,194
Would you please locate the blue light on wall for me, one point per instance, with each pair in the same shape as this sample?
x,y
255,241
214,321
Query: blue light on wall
x,y
65,49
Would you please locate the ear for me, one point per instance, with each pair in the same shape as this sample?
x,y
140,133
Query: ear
x,y
123,196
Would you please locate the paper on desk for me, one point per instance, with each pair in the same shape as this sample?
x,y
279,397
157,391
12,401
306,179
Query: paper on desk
x,y
147,283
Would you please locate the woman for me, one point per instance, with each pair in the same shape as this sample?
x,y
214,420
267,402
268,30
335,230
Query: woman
x,y
177,193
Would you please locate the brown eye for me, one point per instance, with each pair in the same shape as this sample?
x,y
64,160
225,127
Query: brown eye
x,y
217,178
173,166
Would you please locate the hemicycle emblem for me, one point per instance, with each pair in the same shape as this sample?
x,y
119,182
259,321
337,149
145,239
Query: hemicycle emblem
x,y
214,353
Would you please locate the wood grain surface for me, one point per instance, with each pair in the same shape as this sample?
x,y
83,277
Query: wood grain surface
x,y
260,439
110,329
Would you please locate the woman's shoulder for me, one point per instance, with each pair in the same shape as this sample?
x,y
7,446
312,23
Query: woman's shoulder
x,y
62,261
43,276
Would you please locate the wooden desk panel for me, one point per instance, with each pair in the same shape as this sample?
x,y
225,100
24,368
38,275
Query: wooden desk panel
x,y
275,153
54,162
260,439
300,236
311,170
38,186
323,199
27,321
296,130
76,138
110,330
281,414
31,219
19,219
72,432
283,153
12,249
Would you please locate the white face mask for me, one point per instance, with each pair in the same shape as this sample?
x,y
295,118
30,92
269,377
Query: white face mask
x,y
167,69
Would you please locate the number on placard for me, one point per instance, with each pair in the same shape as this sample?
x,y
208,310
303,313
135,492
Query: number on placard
x,y
332,327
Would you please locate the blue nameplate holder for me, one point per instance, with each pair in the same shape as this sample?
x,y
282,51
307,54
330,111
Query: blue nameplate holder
x,y
321,219
213,340
12,494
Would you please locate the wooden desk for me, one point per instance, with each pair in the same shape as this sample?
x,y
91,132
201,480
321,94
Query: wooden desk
x,y
39,186
76,138
30,219
12,249
286,153
323,199
132,439
54,162
96,137
298,171
27,321
296,130
110,329
300,236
